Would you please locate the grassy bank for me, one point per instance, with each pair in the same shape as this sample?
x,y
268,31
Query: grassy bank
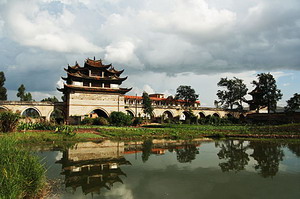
x,y
21,173
172,131
193,131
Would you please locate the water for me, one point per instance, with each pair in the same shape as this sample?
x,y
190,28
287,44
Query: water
x,y
176,169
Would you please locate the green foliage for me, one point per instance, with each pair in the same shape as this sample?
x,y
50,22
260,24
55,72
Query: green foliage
x,y
66,130
3,95
50,99
87,121
268,92
293,103
36,126
100,121
147,104
187,94
23,95
137,121
234,92
8,121
94,121
120,119
22,175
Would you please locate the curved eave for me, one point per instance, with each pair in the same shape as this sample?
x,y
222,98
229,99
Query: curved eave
x,y
96,89
64,78
113,71
79,76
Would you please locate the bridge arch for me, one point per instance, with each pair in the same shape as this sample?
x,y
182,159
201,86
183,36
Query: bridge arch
x,y
202,115
229,115
168,114
130,112
31,112
98,112
216,115
3,108
58,115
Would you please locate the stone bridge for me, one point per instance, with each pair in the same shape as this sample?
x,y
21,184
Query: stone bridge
x,y
46,109
40,109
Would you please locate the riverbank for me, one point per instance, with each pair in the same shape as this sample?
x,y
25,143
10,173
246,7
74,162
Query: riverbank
x,y
165,131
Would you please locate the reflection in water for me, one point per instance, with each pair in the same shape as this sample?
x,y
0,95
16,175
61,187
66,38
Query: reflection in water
x,y
295,148
234,151
146,149
268,155
93,166
187,153
97,167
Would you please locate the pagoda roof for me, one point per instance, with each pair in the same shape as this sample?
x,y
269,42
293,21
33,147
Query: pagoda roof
x,y
95,63
79,75
94,89
114,71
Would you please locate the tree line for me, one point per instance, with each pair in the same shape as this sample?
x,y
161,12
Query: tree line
x,y
266,94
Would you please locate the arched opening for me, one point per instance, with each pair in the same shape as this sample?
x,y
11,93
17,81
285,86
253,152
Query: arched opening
x,y
129,112
216,115
229,116
201,115
187,114
98,113
2,109
167,115
57,116
31,112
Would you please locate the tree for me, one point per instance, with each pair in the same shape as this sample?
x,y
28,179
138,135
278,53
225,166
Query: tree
x,y
187,94
147,104
269,95
234,92
3,95
293,103
50,99
23,95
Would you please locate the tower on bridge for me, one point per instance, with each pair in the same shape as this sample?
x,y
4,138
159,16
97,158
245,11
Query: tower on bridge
x,y
93,89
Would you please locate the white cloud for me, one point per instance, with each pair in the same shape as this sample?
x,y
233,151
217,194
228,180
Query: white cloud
x,y
123,52
32,26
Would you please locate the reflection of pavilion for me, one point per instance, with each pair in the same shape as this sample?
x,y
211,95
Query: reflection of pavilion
x,y
93,165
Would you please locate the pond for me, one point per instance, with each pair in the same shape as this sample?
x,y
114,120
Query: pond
x,y
175,169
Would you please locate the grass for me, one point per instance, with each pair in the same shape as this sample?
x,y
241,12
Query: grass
x,y
21,173
171,131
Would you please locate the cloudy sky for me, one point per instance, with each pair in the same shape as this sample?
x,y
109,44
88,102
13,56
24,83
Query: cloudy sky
x,y
161,44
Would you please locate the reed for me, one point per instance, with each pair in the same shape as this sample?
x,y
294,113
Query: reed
x,y
21,173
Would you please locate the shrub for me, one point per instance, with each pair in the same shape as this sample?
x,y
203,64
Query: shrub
x,y
100,121
36,126
137,121
120,119
87,121
22,175
8,121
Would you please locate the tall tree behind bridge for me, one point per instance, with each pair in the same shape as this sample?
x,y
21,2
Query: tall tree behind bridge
x,y
3,95
187,94
233,94
23,95
293,103
50,99
266,84
147,104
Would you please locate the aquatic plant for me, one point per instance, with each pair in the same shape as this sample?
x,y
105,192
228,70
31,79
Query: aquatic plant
x,y
22,175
